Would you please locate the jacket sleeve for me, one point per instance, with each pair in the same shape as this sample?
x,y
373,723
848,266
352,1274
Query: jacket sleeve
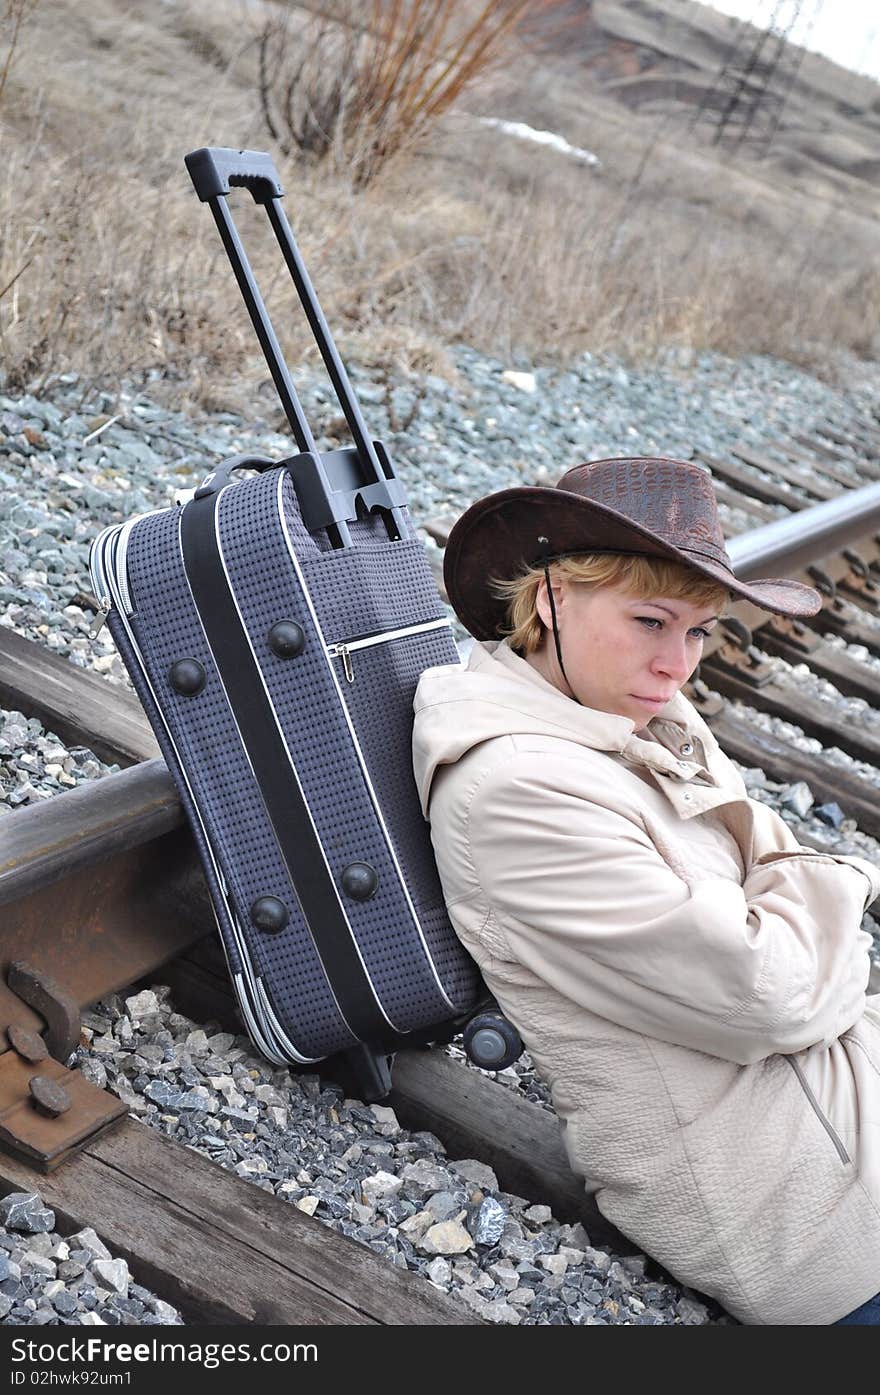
x,y
581,896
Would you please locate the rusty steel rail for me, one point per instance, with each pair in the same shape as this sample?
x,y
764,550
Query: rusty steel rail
x,y
97,886
803,539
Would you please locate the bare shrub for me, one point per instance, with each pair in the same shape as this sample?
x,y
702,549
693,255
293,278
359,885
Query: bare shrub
x,y
372,80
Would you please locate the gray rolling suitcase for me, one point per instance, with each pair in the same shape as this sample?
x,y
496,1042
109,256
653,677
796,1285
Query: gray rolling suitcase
x,y
274,627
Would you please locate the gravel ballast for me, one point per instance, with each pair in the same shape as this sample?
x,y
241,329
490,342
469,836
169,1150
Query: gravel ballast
x,y
72,463
70,1280
354,1168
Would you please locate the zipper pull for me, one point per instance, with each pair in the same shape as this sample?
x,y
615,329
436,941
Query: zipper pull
x,y
346,662
100,618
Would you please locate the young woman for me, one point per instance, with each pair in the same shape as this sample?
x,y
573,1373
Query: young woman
x,y
689,980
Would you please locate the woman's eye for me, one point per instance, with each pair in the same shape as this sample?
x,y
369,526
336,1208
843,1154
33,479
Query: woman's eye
x,y
652,622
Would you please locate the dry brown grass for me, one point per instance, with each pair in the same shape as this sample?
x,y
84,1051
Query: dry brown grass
x,y
113,270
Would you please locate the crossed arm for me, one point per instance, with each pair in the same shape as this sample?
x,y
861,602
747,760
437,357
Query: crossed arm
x,y
581,896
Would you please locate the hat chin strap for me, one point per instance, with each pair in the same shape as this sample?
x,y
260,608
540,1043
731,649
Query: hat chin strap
x,y
556,632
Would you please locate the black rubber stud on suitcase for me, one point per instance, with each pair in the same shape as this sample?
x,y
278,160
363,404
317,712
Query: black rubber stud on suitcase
x,y
360,881
187,677
270,914
287,639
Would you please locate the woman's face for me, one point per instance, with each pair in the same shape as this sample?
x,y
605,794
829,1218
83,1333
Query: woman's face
x,y
621,654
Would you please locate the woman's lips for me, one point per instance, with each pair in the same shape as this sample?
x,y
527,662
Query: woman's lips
x,y
651,701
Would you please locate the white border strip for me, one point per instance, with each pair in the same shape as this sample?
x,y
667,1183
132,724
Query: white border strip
x,y
384,636
245,952
360,755
112,537
293,769
111,540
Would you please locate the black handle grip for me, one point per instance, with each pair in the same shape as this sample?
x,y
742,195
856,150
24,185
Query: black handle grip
x,y
219,476
215,170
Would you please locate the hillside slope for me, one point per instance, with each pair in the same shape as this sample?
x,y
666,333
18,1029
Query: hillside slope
x,y
111,267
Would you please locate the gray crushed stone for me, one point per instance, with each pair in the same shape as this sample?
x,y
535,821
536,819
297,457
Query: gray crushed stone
x,y
35,764
352,1167
69,1280
82,459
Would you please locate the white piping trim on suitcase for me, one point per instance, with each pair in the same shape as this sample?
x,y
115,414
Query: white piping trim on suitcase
x,y
98,545
255,1029
383,637
123,615
247,987
109,538
96,572
243,947
122,548
272,1023
245,983
344,648
119,546
360,755
298,783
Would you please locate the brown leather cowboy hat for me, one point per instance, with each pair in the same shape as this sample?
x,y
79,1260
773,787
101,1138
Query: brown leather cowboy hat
x,y
648,506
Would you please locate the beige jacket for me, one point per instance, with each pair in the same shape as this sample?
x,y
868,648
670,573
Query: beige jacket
x,y
688,979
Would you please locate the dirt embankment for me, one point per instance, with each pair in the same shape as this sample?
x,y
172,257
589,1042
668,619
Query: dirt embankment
x,y
109,267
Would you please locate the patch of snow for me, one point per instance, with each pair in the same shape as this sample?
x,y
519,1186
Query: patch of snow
x,y
524,132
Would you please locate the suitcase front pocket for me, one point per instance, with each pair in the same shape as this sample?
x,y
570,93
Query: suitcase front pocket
x,y
345,648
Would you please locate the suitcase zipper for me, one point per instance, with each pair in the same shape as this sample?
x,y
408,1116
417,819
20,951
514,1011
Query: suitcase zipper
x,y
343,649
107,584
119,562
110,583
100,581
100,617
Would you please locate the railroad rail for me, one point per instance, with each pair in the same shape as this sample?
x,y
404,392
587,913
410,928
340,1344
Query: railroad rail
x,y
101,888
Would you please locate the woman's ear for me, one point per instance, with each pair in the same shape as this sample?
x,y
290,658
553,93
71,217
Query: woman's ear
x,y
542,604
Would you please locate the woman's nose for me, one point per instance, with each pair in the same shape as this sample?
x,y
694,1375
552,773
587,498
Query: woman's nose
x,y
674,660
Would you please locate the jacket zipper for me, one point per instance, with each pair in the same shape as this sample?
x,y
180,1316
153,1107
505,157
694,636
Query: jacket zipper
x,y
824,1121
343,649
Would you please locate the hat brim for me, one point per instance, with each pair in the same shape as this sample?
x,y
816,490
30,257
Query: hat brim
x,y
514,528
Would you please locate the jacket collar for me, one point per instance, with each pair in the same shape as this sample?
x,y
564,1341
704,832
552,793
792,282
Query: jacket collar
x,y
496,693
676,749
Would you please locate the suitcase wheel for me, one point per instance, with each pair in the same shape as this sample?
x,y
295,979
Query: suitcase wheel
x,y
491,1042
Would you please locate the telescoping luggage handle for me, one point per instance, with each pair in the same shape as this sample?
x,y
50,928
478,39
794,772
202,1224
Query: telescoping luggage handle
x,y
335,487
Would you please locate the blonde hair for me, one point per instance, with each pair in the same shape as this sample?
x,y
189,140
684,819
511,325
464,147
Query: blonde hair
x,y
639,576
